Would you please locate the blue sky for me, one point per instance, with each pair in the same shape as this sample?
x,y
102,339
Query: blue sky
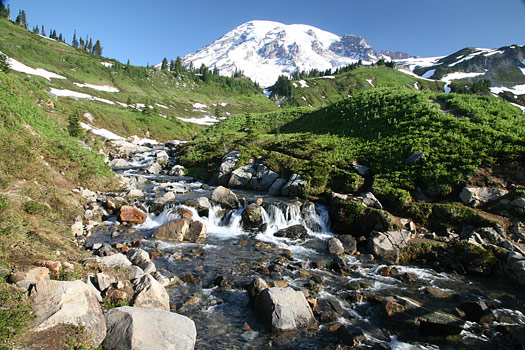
x,y
147,31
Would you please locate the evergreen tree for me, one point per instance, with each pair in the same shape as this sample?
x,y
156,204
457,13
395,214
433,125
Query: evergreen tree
x,y
4,66
97,49
8,12
178,66
172,65
54,35
3,11
60,38
73,124
43,32
82,43
18,19
164,64
90,45
24,19
74,43
282,87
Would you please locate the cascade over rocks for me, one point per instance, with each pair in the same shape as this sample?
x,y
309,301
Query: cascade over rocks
x,y
293,232
130,328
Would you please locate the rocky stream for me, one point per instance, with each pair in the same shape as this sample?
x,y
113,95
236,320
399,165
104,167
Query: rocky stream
x,y
256,271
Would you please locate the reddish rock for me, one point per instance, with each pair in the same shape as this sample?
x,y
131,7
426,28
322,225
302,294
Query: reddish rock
x,y
184,213
132,214
53,266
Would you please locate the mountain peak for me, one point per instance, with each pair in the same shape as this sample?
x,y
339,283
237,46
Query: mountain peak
x,y
263,50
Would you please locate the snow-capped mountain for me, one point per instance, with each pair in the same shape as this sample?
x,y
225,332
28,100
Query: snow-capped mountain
x,y
263,50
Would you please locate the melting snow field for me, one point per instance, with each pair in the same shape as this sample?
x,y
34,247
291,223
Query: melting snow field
x,y
459,75
206,120
108,135
516,90
105,88
20,67
56,93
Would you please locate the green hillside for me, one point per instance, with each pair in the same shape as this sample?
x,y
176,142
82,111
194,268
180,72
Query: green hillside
x,y
325,90
378,128
171,95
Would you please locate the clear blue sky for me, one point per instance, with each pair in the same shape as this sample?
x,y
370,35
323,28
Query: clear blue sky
x,y
147,31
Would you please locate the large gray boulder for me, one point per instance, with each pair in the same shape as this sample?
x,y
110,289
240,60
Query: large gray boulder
x,y
241,176
263,178
476,196
284,309
293,186
68,302
386,245
130,328
225,198
227,166
276,186
252,216
149,293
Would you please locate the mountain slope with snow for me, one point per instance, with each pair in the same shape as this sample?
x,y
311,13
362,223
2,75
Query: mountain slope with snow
x,y
263,50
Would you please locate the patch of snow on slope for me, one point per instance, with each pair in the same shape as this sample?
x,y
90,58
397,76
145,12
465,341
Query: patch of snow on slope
x,y
459,75
413,74
108,135
206,120
161,106
105,88
516,90
199,105
107,64
224,104
45,37
303,84
429,73
370,82
328,77
56,93
413,63
522,70
20,67
519,106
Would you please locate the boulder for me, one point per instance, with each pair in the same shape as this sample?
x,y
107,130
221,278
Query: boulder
x,y
227,166
202,204
241,177
263,178
161,156
71,302
172,231
370,200
130,328
518,205
255,288
154,169
115,260
104,281
476,196
135,193
284,309
276,186
126,147
137,256
197,233
132,214
225,198
252,216
294,185
149,293
293,232
77,229
177,170
414,158
119,163
24,279
335,246
439,324
386,245
349,244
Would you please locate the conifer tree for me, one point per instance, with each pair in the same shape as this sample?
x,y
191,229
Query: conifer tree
x,y
8,12
24,19
60,38
97,49
172,65
18,19
90,45
164,64
43,32
73,124
54,35
4,65
74,43
3,11
82,43
178,66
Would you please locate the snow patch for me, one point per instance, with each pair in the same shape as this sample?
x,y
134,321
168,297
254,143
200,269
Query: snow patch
x,y
416,85
206,120
56,93
327,77
519,106
107,64
413,74
459,75
447,88
108,135
413,63
105,88
516,90
370,82
199,105
303,84
20,67
161,106
522,70
429,73
224,104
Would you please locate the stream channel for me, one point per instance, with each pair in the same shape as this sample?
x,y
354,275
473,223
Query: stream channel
x,y
215,274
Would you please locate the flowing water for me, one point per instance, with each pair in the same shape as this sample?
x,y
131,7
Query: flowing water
x,y
216,272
